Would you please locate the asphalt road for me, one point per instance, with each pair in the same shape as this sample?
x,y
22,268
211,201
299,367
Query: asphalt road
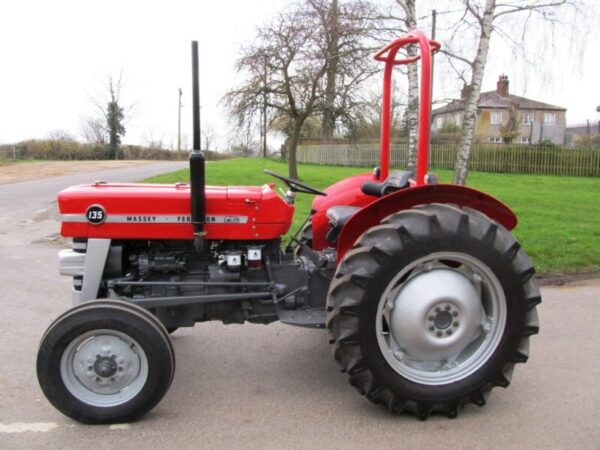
x,y
32,195
275,386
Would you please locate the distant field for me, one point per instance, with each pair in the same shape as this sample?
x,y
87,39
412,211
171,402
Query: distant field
x,y
559,217
14,171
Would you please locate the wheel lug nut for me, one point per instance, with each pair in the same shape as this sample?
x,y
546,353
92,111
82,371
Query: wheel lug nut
x,y
454,313
438,309
431,328
439,334
447,307
448,332
430,318
455,324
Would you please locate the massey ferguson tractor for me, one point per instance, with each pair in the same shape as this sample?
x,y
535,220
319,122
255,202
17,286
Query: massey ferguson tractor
x,y
427,298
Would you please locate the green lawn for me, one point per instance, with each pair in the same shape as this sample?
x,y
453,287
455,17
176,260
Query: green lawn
x,y
559,217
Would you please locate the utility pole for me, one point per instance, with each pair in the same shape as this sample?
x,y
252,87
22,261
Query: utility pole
x,y
433,26
264,113
179,122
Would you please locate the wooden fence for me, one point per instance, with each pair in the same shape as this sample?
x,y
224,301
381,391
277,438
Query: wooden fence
x,y
484,158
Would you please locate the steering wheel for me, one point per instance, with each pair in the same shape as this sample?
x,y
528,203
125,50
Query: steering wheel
x,y
295,185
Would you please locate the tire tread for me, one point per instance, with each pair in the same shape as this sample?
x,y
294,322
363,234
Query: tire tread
x,y
373,249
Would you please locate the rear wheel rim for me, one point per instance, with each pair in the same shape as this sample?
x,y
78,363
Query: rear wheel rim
x,y
104,368
441,318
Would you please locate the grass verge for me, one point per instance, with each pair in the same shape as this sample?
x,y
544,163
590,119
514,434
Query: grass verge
x,y
559,217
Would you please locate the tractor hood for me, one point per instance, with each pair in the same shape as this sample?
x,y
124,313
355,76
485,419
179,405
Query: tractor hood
x,y
161,211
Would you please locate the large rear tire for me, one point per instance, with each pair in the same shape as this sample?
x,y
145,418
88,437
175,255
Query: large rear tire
x,y
105,362
431,309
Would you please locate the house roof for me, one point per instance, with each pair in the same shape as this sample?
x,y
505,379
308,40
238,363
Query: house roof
x,y
492,99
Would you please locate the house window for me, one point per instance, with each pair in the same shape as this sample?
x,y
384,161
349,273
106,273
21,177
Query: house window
x,y
525,140
439,122
458,119
549,118
528,118
496,140
496,118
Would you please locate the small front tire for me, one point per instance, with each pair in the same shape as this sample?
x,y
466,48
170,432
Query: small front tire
x,y
105,362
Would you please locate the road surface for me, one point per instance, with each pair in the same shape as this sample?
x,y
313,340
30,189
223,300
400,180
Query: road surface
x,y
252,386
36,194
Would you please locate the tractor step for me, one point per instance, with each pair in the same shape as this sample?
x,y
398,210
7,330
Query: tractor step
x,y
308,318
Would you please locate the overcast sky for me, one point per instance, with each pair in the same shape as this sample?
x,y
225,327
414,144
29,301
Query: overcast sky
x,y
55,54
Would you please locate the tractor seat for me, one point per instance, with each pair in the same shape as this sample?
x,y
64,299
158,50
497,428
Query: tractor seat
x,y
396,181
338,216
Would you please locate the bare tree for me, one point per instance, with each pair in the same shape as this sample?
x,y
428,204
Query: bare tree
x,y
480,20
288,51
242,142
61,135
93,130
348,34
107,126
209,135
367,124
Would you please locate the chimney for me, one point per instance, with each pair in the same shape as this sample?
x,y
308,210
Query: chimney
x,y
464,92
502,86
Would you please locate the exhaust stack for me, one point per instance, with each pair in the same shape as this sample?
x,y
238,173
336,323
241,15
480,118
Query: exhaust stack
x,y
197,164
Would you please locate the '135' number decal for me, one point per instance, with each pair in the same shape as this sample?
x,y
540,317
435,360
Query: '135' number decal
x,y
95,214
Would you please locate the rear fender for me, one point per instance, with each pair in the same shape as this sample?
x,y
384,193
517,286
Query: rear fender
x,y
375,212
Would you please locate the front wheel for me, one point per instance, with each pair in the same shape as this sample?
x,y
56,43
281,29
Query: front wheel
x,y
105,362
432,309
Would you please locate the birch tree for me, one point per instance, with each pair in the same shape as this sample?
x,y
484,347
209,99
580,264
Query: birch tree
x,y
484,19
410,23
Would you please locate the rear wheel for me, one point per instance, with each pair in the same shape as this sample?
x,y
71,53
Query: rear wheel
x,y
432,309
105,361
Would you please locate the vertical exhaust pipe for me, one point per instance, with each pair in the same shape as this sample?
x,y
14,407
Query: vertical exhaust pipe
x,y
197,164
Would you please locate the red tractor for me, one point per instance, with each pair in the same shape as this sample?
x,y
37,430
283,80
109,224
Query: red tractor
x,y
428,299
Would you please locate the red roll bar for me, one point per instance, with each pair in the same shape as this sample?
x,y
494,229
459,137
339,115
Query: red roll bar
x,y
388,55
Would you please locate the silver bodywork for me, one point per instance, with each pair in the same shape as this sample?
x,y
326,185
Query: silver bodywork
x,y
89,265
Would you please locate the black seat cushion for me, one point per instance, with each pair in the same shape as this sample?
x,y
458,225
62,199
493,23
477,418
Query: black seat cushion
x,y
396,181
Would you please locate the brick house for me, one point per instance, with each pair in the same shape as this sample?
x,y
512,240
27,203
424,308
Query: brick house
x,y
503,115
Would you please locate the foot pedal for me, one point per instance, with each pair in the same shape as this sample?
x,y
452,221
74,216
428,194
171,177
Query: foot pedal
x,y
307,318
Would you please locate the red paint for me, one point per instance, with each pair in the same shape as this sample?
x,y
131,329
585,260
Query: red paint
x,y
346,192
269,216
388,55
408,198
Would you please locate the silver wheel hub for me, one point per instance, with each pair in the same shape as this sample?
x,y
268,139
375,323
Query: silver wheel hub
x,y
104,368
441,318
424,312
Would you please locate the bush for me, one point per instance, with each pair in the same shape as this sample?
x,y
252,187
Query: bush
x,y
66,149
